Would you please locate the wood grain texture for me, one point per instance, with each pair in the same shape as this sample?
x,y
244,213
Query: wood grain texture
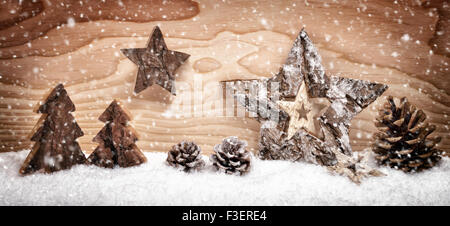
x,y
403,44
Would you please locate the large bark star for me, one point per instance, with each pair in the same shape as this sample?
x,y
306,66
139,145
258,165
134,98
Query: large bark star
x,y
285,136
156,63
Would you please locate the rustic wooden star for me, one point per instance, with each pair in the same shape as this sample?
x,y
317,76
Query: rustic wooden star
x,y
304,112
285,136
156,63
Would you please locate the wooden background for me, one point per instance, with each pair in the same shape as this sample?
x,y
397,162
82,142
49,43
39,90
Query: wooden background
x,y
404,44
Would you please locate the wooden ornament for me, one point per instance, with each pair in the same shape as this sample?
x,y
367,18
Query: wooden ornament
x,y
56,147
304,112
156,63
116,140
290,136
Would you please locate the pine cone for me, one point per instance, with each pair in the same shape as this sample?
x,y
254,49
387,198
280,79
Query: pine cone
x,y
185,155
402,142
231,156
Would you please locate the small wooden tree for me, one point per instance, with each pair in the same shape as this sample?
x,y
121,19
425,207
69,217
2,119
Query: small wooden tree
x,y
116,140
56,147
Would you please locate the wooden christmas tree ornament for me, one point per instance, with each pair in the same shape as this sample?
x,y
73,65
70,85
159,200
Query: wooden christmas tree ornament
x,y
156,63
116,140
56,147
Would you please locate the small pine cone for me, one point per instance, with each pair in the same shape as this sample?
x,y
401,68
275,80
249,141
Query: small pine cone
x,y
402,142
231,156
185,155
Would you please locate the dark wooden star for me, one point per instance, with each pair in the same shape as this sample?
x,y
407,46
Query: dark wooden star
x,y
347,98
157,64
303,113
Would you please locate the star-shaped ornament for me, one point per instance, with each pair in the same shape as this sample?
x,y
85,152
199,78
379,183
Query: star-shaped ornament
x,y
304,112
295,133
156,63
304,74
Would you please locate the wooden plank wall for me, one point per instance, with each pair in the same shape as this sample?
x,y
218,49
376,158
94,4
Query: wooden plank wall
x,y
404,44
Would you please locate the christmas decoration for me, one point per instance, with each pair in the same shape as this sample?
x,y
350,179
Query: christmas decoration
x,y
302,110
56,147
403,142
269,183
116,140
156,63
231,156
315,126
185,155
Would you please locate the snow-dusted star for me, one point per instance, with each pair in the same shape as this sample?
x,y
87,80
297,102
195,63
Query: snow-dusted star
x,y
324,141
345,98
156,63
304,112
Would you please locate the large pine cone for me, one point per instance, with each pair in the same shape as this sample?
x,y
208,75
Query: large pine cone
x,y
231,156
402,142
185,155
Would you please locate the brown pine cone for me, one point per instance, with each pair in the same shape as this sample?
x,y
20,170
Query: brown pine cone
x,y
402,142
185,155
231,156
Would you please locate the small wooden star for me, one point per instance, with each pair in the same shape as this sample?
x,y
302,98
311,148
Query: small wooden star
x,y
304,112
157,64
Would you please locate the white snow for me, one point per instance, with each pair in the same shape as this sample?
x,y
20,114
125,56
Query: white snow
x,y
71,22
406,37
268,183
